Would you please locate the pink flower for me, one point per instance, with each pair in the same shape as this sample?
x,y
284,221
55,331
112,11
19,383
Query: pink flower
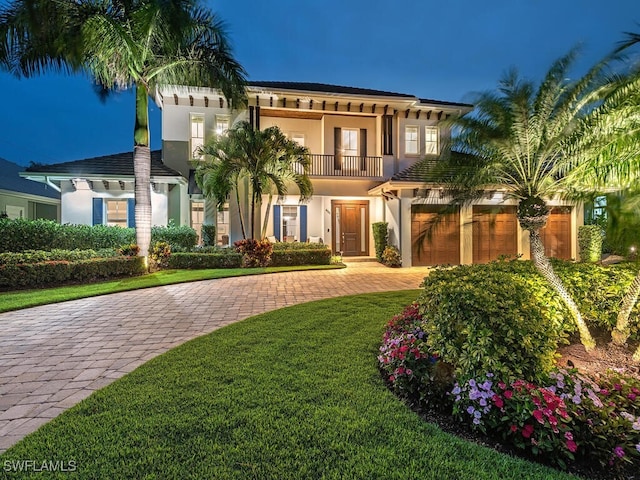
x,y
631,396
568,435
514,429
502,385
604,392
617,387
497,400
618,451
527,431
409,371
553,420
537,414
508,394
571,445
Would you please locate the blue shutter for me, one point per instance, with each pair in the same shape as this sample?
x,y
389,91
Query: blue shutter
x,y
303,223
131,213
276,221
98,213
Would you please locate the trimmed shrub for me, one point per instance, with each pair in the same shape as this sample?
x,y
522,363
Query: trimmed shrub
x,y
177,237
229,259
380,237
254,253
484,318
209,235
312,256
60,271
590,243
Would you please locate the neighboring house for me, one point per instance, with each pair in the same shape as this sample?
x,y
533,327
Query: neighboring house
x,y
22,198
370,157
99,191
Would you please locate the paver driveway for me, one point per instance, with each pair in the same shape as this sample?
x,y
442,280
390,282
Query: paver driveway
x,y
52,357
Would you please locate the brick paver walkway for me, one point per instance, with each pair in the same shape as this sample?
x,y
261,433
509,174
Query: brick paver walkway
x,y
52,357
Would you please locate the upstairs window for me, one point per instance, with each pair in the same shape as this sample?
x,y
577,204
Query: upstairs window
x,y
431,146
298,138
411,140
222,124
197,134
350,142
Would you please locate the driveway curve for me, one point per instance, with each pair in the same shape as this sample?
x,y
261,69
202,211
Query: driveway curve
x,y
52,357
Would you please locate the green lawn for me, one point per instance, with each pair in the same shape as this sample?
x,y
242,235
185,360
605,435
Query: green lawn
x,y
290,394
31,298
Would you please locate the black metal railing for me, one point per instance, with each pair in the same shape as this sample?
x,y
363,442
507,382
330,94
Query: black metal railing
x,y
345,166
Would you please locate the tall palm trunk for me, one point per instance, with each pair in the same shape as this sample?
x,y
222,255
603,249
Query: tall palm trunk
x,y
263,232
545,268
621,332
142,171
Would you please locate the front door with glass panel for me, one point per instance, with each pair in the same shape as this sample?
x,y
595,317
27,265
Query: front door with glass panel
x,y
350,222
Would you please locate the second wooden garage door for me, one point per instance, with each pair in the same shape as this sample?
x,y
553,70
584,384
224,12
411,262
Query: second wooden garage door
x,y
556,236
443,246
495,231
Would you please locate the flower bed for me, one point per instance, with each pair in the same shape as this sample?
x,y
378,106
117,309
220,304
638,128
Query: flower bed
x,y
569,419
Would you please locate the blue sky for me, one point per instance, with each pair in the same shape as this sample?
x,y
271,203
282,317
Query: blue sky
x,y
441,50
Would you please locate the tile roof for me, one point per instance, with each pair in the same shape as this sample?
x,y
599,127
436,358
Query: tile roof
x,y
10,180
119,164
326,88
422,170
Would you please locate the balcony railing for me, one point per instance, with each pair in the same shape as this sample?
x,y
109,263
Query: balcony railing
x,y
345,166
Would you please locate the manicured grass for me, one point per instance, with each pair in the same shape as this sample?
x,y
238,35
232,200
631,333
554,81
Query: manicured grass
x,y
290,394
16,300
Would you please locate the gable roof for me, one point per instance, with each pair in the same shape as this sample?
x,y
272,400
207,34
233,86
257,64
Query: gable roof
x,y
10,180
116,165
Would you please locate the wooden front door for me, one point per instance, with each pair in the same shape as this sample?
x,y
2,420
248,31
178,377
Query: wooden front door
x,y
495,233
350,226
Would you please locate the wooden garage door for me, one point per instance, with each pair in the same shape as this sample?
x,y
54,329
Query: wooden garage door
x,y
443,246
495,231
556,235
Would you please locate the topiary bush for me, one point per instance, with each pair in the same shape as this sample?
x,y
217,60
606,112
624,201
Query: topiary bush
x,y
209,235
590,243
485,318
380,237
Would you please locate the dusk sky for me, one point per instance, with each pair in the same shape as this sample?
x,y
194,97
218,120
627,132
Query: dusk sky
x,y
441,50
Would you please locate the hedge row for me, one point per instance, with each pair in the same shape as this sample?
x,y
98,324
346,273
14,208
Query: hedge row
x,y
205,260
314,256
38,256
55,272
228,258
21,234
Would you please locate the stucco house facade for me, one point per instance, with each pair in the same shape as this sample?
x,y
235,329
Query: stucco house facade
x,y
371,154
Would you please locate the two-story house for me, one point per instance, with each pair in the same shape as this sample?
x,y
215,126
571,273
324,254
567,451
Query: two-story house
x,y
371,152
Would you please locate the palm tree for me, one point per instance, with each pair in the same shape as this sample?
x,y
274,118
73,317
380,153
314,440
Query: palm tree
x,y
267,159
521,140
124,44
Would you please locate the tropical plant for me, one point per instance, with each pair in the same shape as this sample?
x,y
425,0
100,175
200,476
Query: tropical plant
x,y
522,141
123,44
266,159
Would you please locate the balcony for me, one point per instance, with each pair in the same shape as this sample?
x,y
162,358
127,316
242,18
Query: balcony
x,y
345,166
